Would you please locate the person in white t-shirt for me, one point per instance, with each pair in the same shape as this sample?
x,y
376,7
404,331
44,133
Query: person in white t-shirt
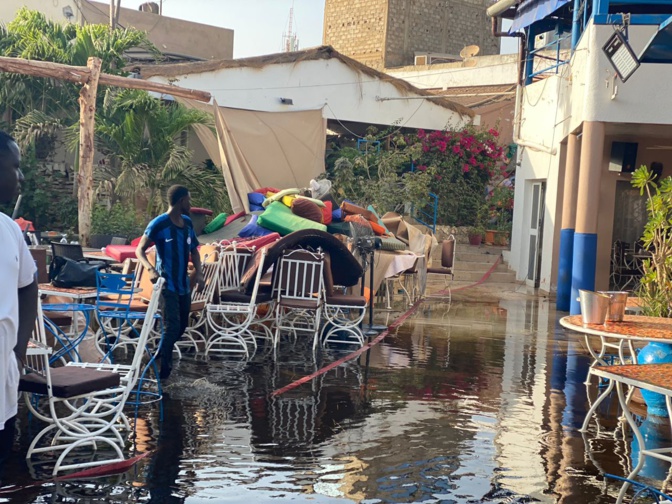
x,y
18,296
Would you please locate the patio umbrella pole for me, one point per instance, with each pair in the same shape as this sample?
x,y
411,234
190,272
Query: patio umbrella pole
x,y
15,213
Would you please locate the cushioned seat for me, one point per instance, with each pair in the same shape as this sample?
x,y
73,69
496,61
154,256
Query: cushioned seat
x,y
345,300
301,304
120,252
263,296
69,381
440,271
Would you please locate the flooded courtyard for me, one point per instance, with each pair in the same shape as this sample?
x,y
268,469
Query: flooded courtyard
x,y
465,402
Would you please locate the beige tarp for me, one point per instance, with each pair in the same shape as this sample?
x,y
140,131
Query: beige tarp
x,y
258,149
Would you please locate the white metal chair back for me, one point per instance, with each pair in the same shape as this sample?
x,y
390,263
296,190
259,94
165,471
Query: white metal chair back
x,y
300,276
232,264
37,358
210,272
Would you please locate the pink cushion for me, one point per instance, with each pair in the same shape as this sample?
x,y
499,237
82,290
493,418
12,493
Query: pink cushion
x,y
120,252
233,217
254,242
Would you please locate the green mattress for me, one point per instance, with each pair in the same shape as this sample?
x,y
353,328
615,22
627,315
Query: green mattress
x,y
278,217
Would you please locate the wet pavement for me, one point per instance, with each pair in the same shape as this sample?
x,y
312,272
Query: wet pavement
x,y
466,402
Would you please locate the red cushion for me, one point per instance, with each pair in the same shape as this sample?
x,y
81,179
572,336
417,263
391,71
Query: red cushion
x,y
264,190
136,241
121,252
233,217
200,211
326,212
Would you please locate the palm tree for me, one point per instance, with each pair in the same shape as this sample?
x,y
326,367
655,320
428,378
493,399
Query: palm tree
x,y
142,140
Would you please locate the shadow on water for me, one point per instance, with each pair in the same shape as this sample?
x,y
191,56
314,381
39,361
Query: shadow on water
x,y
466,403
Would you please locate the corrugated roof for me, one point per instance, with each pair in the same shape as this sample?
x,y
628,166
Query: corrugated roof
x,y
477,96
318,53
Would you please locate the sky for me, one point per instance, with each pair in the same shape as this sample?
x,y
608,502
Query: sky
x,y
259,24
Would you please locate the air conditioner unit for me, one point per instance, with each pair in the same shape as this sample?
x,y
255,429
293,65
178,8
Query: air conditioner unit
x,y
421,59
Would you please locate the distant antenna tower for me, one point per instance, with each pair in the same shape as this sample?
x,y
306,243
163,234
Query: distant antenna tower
x,y
290,40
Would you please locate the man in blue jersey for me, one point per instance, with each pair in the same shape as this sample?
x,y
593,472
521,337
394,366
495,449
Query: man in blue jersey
x,y
173,235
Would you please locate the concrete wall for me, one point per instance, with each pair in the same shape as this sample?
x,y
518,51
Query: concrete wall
x,y
387,33
343,93
444,26
170,35
357,29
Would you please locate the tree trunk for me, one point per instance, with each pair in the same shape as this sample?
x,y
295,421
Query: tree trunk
x,y
87,122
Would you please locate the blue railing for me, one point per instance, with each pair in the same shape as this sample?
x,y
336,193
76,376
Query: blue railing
x,y
536,53
363,142
431,213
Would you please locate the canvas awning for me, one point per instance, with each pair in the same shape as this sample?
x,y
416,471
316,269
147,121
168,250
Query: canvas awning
x,y
659,48
530,11
259,149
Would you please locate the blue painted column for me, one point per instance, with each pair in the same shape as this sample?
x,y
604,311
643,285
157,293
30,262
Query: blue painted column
x,y
569,195
587,208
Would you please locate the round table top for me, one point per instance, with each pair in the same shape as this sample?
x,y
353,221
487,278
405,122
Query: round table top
x,y
634,327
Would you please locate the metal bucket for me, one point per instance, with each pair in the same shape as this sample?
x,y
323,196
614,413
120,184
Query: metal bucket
x,y
594,306
617,303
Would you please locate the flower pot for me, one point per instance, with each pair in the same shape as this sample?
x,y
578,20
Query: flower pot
x,y
502,238
475,239
490,237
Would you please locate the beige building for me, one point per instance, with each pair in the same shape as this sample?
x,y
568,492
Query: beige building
x,y
196,41
394,33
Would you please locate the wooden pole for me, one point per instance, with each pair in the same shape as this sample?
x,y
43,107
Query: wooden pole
x,y
81,75
111,15
87,122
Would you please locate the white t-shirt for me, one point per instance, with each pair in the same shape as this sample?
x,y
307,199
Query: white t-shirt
x,y
17,270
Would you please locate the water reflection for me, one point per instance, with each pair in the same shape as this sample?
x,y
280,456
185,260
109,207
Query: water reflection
x,y
479,403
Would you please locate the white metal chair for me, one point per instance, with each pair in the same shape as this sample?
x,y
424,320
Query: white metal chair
x,y
342,312
230,316
299,285
85,400
194,333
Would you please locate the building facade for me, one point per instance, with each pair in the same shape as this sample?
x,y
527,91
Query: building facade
x,y
581,130
391,33
196,41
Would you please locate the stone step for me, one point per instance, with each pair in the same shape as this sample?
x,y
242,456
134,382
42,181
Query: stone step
x,y
462,257
475,276
479,266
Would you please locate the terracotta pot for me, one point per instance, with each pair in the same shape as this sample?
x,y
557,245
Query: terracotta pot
x,y
490,237
475,239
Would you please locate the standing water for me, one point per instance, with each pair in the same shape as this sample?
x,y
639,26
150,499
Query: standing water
x,y
467,403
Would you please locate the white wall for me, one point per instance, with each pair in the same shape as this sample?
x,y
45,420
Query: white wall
x,y
52,9
345,94
478,71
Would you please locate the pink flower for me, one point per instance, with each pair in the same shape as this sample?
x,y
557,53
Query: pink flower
x,y
425,148
441,146
465,168
456,149
438,177
493,132
421,134
472,161
422,168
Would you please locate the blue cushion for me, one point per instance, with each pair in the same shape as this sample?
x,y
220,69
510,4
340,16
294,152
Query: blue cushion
x,y
255,198
253,229
256,208
337,215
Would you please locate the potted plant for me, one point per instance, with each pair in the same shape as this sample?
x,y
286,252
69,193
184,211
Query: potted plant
x,y
475,234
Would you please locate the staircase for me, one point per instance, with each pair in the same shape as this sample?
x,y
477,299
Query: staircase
x,y
471,263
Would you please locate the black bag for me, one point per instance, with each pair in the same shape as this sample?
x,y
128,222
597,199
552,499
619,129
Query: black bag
x,y
67,273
